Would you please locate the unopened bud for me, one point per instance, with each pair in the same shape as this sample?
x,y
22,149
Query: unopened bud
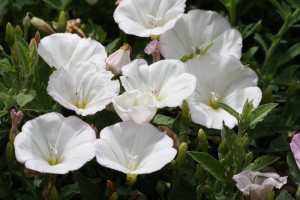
x,y
41,25
10,153
267,94
37,37
200,173
153,49
298,193
222,151
270,196
62,22
203,143
182,152
110,187
160,188
10,34
248,159
294,85
118,59
53,195
16,118
26,22
18,31
114,196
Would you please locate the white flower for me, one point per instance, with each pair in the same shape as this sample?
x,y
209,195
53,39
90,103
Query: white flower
x,y
135,106
54,144
200,31
62,49
134,148
258,184
83,88
145,18
166,80
220,79
295,147
118,59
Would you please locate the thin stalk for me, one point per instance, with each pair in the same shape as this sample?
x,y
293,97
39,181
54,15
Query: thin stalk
x,y
289,20
232,12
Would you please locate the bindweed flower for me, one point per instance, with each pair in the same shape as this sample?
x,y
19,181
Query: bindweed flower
x,y
54,144
135,106
134,148
118,59
198,32
220,79
258,184
166,80
83,88
295,147
146,18
64,49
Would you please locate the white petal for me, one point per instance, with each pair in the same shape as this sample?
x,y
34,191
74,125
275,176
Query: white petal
x,y
199,28
142,141
61,49
70,140
145,18
135,106
83,82
227,79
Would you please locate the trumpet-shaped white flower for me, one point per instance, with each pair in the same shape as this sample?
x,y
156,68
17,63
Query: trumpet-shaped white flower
x,y
135,106
134,148
63,49
83,88
220,79
200,31
145,18
166,80
54,144
258,184
295,147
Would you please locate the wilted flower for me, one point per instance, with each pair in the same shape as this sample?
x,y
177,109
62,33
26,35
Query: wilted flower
x,y
145,18
295,147
135,106
63,49
54,144
200,31
220,79
134,148
83,88
118,59
153,49
258,184
16,118
166,80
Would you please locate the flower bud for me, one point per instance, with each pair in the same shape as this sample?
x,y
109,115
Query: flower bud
x,y
181,158
248,159
26,22
118,59
18,31
267,94
10,153
298,193
200,173
16,118
114,196
153,49
61,23
160,188
110,187
203,143
41,25
37,37
53,195
10,34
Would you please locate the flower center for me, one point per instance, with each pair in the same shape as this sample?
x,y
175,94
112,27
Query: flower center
x,y
54,159
132,161
213,99
80,102
153,21
155,93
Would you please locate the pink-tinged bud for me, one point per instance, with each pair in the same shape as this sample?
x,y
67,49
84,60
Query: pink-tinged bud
x,y
118,59
16,118
153,49
118,2
96,131
41,25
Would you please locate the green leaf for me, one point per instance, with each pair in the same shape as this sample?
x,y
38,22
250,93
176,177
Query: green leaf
x,y
163,120
262,162
68,191
58,4
290,54
88,189
209,163
294,3
23,99
228,109
260,113
284,195
7,66
250,29
261,41
294,170
113,46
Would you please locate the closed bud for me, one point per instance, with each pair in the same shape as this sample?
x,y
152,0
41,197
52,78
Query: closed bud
x,y
110,186
160,188
181,157
200,173
62,22
298,193
118,59
41,25
10,153
18,31
271,196
26,22
10,34
199,191
294,85
32,45
53,195
37,37
248,159
114,196
222,149
267,94
202,141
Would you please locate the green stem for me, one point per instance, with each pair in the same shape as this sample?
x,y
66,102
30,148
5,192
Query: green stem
x,y
232,12
289,20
